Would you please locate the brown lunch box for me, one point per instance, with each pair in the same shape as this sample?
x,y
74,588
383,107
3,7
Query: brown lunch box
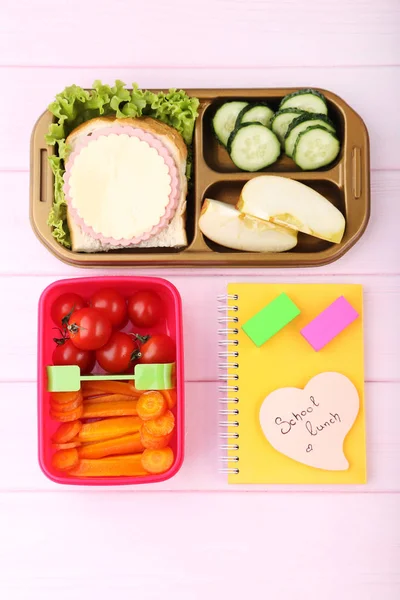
x,y
345,183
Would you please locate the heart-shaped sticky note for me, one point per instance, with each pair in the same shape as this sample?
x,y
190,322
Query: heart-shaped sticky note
x,y
309,425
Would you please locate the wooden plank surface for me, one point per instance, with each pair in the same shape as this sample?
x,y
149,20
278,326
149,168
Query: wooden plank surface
x,y
201,546
200,471
217,529
227,33
377,252
366,89
199,299
195,536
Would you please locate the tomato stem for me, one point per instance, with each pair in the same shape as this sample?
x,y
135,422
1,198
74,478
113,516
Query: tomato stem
x,y
63,339
142,338
66,318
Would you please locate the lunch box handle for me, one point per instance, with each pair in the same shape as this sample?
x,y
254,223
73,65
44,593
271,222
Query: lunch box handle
x,y
356,172
41,188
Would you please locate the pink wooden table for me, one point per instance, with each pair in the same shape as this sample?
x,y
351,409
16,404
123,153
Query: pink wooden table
x,y
194,537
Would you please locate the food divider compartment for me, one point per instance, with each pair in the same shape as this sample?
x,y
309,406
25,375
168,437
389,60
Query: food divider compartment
x,y
229,192
345,182
217,158
170,325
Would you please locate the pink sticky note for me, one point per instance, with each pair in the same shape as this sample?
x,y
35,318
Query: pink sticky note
x,y
329,323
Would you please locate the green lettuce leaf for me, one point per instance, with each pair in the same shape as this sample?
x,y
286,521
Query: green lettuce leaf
x,y
58,215
177,109
75,105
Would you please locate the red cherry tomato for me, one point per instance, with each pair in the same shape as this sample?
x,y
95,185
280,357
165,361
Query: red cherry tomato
x,y
159,348
64,306
115,356
145,309
112,305
68,354
89,329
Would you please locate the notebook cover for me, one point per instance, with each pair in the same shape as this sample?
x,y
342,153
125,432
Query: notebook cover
x,y
288,360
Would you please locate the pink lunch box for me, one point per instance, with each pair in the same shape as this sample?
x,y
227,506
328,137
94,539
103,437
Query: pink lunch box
x,y
171,325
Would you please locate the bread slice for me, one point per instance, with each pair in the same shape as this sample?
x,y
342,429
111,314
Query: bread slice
x,y
172,236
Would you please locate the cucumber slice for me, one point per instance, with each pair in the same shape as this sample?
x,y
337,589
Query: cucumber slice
x,y
281,121
308,100
301,123
253,147
315,147
256,113
225,119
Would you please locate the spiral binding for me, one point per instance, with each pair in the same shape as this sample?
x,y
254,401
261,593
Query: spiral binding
x,y
229,399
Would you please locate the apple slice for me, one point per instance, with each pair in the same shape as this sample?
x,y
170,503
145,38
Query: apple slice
x,y
290,203
224,224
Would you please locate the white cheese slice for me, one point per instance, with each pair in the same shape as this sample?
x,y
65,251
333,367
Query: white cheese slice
x,y
120,186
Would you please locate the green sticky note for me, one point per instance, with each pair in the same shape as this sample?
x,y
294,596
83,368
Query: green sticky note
x,y
270,319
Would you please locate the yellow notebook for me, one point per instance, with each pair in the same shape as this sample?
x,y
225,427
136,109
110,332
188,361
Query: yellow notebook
x,y
279,453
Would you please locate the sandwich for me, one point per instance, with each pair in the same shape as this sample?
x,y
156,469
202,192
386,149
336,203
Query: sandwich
x,y
173,234
122,168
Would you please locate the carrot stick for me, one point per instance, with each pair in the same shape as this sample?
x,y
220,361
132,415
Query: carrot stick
x,y
152,441
161,426
127,444
93,410
110,398
114,466
65,397
64,460
66,417
151,405
107,429
66,432
94,388
157,461
170,396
